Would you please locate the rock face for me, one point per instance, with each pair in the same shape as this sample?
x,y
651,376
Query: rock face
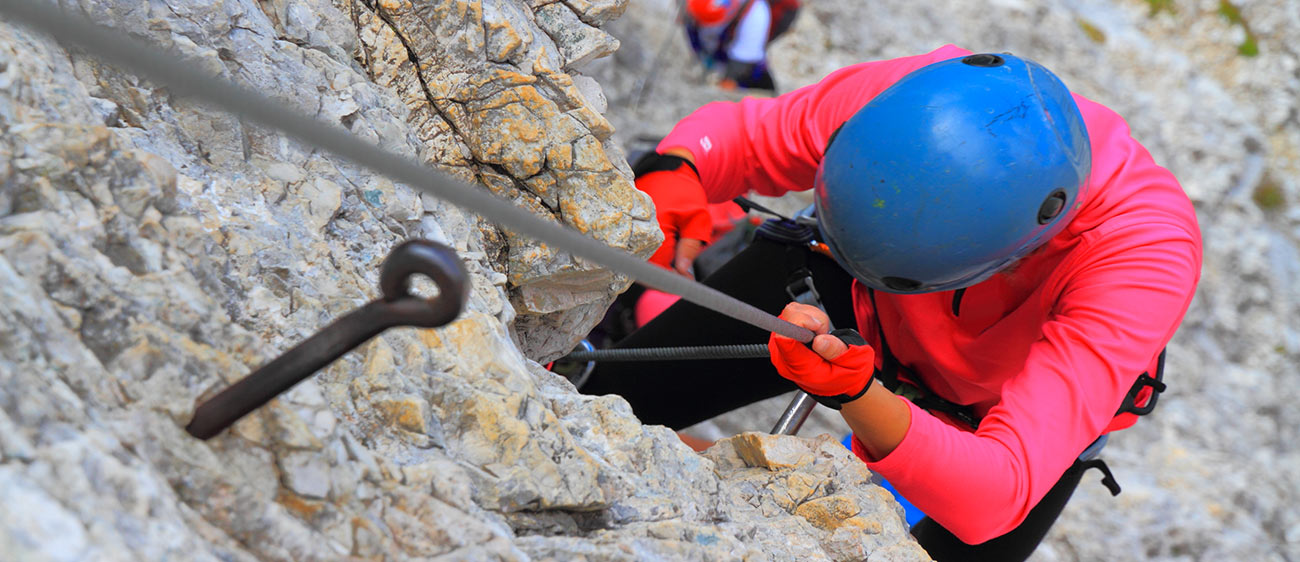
x,y
1211,89
493,103
153,250
816,502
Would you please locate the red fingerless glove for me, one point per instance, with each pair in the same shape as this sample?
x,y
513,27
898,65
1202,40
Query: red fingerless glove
x,y
831,383
680,204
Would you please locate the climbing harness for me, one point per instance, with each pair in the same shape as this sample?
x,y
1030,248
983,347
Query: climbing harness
x,y
798,235
800,289
911,387
397,307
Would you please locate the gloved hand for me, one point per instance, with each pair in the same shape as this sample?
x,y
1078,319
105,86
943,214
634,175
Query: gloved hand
x,y
833,372
680,207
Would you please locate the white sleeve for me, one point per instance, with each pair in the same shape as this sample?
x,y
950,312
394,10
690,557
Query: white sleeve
x,y
750,42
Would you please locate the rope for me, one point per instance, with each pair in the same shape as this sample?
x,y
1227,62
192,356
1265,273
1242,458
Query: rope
x,y
740,351
183,79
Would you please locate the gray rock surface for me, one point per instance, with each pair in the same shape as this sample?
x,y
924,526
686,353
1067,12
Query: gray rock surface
x,y
153,250
1214,474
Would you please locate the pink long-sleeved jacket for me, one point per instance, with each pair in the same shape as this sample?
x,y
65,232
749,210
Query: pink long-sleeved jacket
x,y
1044,352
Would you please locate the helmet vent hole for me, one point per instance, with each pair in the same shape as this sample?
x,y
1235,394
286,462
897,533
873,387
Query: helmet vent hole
x,y
1051,207
901,283
983,59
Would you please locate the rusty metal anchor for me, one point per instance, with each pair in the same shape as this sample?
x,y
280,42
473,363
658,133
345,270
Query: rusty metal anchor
x,y
396,307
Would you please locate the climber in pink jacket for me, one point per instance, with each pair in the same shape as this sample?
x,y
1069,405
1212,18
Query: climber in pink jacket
x,y
1018,263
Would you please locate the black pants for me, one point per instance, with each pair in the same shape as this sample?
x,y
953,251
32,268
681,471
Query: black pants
x,y
1018,544
682,393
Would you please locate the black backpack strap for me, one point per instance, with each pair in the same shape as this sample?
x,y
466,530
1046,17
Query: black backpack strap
x,y
888,372
796,238
799,284
654,162
1107,479
1145,380
913,389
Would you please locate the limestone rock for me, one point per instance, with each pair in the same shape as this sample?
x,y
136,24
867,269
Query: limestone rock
x,y
814,485
525,132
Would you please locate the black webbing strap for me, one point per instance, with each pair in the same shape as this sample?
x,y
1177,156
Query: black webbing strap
x,y
799,282
799,286
888,375
913,389
1107,479
795,238
654,162
1143,381
748,205
927,400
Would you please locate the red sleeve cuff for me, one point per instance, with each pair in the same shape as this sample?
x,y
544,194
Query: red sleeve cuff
x,y
697,224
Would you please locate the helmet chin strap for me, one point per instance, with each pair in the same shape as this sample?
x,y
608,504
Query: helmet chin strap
x,y
956,301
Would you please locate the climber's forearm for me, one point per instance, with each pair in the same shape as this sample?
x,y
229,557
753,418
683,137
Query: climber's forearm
x,y
879,420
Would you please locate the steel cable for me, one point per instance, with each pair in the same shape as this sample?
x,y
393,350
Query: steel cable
x,y
181,77
737,351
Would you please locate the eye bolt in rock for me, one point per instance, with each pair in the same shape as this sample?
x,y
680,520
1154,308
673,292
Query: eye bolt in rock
x,y
396,307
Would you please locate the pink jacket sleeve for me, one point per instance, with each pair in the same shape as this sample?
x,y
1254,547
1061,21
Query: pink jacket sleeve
x,y
773,145
1118,298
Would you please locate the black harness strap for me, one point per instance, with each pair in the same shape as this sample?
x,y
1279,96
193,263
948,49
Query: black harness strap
x,y
1107,479
796,238
799,287
1145,380
888,375
654,162
927,400
913,389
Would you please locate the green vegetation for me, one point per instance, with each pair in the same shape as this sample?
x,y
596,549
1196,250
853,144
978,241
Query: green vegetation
x,y
1228,10
1158,6
1093,32
1269,196
1248,47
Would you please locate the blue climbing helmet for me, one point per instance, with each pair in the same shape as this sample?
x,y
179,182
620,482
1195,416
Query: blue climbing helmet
x,y
951,174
